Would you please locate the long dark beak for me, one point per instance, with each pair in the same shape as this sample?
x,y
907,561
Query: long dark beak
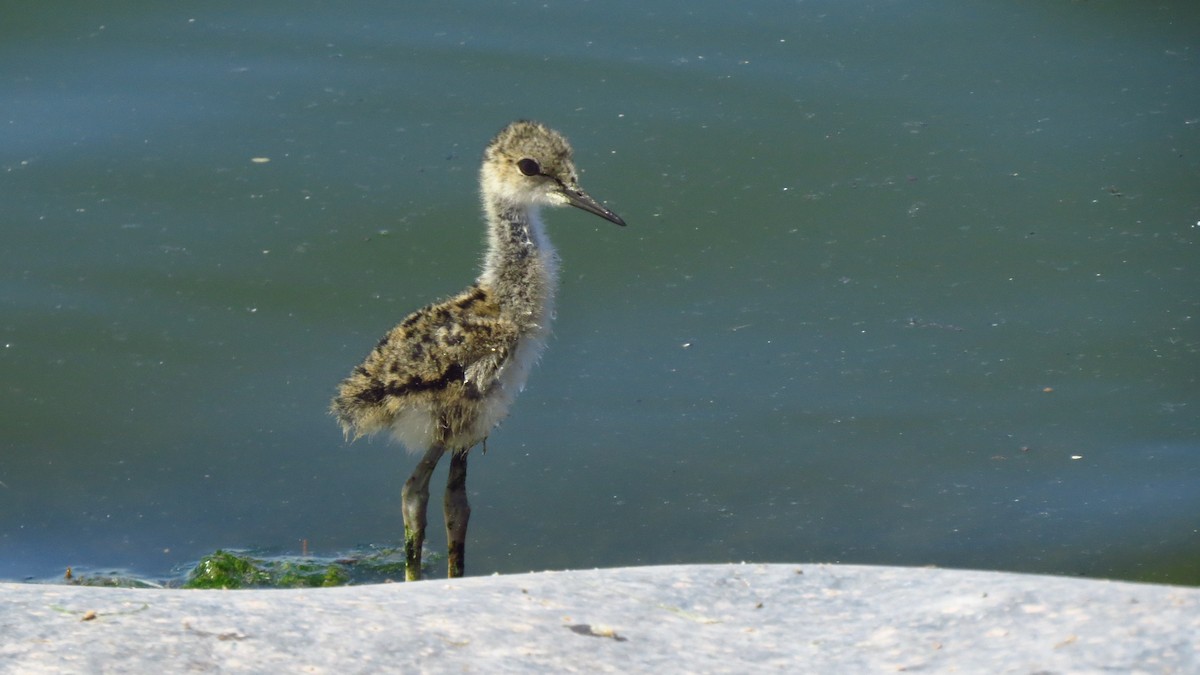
x,y
581,200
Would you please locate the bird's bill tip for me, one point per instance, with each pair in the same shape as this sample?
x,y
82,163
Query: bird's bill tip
x,y
581,200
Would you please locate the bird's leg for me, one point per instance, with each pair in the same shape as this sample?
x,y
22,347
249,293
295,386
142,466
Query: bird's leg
x,y
415,498
458,512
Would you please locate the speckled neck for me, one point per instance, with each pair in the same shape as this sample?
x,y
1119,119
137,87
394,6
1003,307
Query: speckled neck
x,y
520,266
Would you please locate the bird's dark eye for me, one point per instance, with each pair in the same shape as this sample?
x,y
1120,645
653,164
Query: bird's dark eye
x,y
529,167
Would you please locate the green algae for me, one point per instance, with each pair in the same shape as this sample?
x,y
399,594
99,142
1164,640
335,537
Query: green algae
x,y
227,569
234,569
237,569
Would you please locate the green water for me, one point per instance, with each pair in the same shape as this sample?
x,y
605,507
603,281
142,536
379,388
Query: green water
x,y
903,282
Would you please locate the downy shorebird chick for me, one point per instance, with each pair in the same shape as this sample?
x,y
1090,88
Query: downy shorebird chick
x,y
445,376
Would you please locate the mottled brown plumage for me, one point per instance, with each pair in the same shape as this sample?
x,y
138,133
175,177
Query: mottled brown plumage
x,y
430,378
447,374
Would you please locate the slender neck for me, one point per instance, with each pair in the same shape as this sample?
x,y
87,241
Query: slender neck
x,y
520,265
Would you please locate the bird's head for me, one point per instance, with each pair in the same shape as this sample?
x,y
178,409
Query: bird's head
x,y
528,165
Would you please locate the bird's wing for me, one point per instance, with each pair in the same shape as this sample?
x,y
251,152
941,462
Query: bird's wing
x,y
462,341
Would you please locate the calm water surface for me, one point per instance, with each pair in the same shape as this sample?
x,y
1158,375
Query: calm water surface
x,y
904,282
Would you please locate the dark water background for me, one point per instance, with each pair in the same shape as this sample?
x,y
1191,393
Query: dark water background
x,y
904,282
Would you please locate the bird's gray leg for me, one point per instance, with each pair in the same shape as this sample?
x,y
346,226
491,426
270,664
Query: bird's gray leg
x,y
458,512
415,499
